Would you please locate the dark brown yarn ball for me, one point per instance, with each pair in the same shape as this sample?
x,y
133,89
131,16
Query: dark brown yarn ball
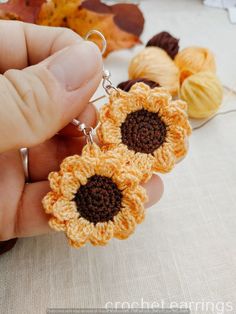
x,y
125,86
7,245
143,131
99,200
165,41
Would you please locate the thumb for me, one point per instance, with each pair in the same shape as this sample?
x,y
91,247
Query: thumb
x,y
38,101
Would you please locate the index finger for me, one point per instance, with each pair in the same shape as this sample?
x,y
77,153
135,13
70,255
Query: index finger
x,y
24,44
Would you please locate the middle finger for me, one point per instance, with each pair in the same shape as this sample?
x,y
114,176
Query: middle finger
x,y
47,156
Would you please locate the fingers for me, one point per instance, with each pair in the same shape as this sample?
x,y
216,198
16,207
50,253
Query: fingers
x,y
37,102
32,219
89,116
33,43
47,156
155,190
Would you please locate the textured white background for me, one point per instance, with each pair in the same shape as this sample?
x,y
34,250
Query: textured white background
x,y
185,251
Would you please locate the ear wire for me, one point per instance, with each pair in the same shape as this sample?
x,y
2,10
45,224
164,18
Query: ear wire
x,y
102,37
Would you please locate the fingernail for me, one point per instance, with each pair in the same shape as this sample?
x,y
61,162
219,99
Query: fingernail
x,y
76,65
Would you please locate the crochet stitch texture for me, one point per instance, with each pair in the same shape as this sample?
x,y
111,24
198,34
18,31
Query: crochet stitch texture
x,y
95,197
146,126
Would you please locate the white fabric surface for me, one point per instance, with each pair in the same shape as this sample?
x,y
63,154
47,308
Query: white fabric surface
x,y
185,251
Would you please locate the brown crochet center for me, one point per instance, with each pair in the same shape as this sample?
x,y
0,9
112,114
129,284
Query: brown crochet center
x,y
99,200
143,131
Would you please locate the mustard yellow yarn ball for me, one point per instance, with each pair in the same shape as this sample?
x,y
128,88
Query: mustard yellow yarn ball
x,y
203,93
192,60
154,64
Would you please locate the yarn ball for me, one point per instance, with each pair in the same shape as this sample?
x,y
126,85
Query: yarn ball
x,y
203,93
165,41
154,64
192,60
125,86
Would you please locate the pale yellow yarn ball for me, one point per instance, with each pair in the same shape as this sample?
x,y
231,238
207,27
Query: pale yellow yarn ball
x,y
192,60
203,93
154,64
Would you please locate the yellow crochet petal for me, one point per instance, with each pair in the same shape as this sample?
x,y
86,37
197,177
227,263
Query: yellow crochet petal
x,y
144,162
79,230
124,104
85,169
140,88
181,104
117,108
179,140
133,204
136,97
135,103
102,233
56,224
49,200
105,113
124,224
107,166
64,209
69,163
123,151
76,244
109,133
69,185
55,181
91,151
165,158
119,113
158,98
141,193
175,116
134,161
117,95
180,118
127,179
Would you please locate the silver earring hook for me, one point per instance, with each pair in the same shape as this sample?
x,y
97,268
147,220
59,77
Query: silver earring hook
x,y
99,34
88,131
106,83
82,127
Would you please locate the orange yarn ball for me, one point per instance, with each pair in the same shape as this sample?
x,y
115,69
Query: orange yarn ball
x,y
192,60
154,64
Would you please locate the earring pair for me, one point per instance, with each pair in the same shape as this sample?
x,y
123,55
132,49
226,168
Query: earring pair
x,y
98,195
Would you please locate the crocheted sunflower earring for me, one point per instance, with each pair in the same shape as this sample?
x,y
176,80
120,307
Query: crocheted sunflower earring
x,y
146,126
94,197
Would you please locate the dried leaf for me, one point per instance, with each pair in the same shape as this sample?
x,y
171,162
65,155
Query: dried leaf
x,y
116,38
24,10
121,24
56,12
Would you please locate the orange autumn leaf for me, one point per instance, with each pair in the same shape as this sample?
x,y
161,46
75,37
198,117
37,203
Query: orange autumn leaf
x,y
24,10
115,37
121,24
56,12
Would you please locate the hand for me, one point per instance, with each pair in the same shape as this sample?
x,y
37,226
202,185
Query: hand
x,y
48,77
